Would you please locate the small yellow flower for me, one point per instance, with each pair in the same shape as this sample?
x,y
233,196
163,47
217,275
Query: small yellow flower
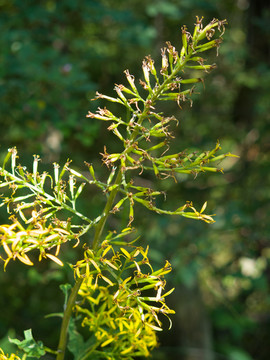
x,y
8,357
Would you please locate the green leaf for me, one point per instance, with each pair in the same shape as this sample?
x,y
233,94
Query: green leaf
x,y
76,344
29,345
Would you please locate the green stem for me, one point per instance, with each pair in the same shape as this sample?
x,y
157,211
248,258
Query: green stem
x,y
66,318
106,211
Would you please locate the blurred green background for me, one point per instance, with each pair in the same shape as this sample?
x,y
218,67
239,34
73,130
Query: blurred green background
x,y
54,55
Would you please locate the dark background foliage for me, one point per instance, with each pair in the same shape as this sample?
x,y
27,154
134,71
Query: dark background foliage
x,y
54,56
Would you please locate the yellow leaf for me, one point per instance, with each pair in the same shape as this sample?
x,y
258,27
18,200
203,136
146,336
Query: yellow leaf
x,y
55,259
169,292
7,249
208,219
116,294
6,262
125,281
95,301
15,243
158,297
153,327
52,237
137,252
21,233
107,342
106,250
107,280
95,265
110,264
38,232
24,259
137,266
126,229
138,332
31,241
57,250
126,351
7,229
125,253
61,231
144,253
203,207
77,242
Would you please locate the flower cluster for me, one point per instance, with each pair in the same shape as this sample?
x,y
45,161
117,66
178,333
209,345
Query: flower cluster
x,y
145,123
117,303
17,241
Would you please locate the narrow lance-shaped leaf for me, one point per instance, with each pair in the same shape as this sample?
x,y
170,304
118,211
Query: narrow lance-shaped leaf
x,y
80,189
7,157
35,167
13,159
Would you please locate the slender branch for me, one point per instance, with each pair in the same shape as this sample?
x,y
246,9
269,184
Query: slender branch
x,y
107,209
66,318
36,190
153,97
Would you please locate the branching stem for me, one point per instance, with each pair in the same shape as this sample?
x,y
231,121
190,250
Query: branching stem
x,y
74,292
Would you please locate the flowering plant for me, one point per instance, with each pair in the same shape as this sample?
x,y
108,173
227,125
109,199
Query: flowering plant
x,y
114,277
